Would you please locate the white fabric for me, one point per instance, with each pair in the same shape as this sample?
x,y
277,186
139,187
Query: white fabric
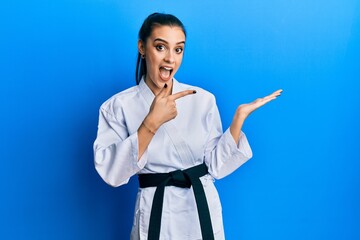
x,y
193,137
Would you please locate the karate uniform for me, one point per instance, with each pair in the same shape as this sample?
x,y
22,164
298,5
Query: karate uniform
x,y
194,136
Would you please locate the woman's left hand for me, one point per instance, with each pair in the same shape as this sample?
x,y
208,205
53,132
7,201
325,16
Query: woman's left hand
x,y
244,110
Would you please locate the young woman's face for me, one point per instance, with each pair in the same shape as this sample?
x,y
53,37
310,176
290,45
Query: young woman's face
x,y
163,50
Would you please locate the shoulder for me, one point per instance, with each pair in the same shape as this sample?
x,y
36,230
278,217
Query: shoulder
x,y
116,102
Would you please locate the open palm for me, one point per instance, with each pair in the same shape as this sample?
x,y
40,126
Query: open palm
x,y
246,109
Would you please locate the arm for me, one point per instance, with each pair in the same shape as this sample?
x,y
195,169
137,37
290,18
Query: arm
x,y
226,152
162,109
116,152
119,156
244,110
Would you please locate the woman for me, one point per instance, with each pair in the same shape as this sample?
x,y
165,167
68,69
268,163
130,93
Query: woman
x,y
170,134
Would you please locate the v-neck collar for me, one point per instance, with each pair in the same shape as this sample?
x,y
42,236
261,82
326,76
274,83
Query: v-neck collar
x,y
149,95
169,128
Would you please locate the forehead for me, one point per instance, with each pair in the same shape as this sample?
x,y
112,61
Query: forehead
x,y
171,34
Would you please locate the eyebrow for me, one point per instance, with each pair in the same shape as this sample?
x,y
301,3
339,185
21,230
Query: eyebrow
x,y
162,40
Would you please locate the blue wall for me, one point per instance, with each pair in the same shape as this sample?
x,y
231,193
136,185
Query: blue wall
x,y
61,59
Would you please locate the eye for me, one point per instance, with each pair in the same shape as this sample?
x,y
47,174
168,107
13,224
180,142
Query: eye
x,y
160,47
179,50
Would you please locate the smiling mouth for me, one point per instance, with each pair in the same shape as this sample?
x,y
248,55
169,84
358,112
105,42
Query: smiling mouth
x,y
165,72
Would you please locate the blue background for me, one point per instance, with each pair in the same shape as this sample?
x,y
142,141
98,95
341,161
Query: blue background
x,y
61,59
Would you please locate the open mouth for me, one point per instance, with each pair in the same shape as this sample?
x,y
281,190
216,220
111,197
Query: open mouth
x,y
165,73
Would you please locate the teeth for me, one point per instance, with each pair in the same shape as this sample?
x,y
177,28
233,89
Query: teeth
x,y
167,68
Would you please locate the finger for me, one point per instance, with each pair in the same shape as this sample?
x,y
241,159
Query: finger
x,y
268,100
263,101
164,91
277,92
181,94
274,94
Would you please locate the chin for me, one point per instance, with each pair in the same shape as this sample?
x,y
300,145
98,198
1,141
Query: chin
x,y
163,81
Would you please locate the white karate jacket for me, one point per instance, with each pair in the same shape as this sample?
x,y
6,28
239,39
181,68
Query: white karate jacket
x,y
193,137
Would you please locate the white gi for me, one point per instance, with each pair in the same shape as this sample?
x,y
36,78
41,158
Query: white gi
x,y
194,136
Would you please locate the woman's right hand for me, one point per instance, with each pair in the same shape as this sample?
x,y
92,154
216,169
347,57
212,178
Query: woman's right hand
x,y
163,107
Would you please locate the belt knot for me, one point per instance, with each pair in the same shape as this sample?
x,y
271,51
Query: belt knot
x,y
179,179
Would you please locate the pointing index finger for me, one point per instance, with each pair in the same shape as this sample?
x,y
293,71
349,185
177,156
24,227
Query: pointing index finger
x,y
182,94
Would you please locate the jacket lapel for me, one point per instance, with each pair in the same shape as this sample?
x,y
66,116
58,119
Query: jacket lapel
x,y
169,128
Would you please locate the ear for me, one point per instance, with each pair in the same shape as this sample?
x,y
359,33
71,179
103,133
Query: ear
x,y
141,47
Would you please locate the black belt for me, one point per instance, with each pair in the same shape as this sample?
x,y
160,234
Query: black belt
x,y
179,178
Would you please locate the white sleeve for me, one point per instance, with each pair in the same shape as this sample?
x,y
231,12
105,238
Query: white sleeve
x,y
222,154
115,151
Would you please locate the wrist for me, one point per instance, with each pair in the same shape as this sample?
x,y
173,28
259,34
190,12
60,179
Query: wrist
x,y
240,116
151,124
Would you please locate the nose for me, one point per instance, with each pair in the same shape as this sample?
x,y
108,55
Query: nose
x,y
169,57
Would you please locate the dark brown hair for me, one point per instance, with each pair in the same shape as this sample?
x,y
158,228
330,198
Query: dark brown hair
x,y
155,19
